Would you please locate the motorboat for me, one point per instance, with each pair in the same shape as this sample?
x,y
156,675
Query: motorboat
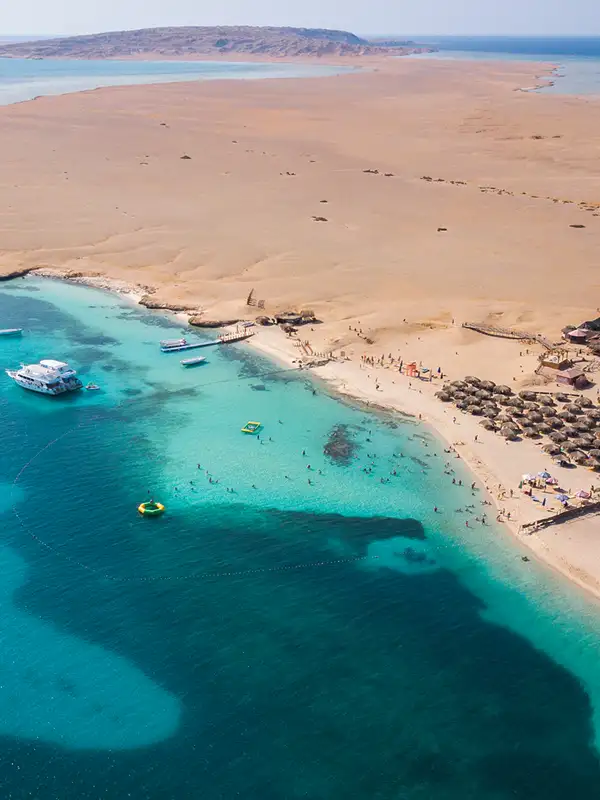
x,y
177,345
48,377
193,362
11,331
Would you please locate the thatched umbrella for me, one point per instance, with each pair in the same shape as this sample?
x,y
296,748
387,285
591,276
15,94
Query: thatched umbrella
x,y
530,405
470,390
584,402
582,425
594,413
526,423
595,453
516,412
579,458
544,428
548,411
556,422
574,408
572,433
589,437
531,432
509,432
558,438
552,449
488,425
568,416
458,384
569,447
535,416
597,443
503,400
562,397
545,399
491,413
517,402
503,416
459,395
462,404
593,463
526,395
482,394
502,389
473,380
443,396
581,443
477,411
489,385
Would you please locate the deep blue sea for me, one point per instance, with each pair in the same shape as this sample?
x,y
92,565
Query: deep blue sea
x,y
24,79
577,57
326,640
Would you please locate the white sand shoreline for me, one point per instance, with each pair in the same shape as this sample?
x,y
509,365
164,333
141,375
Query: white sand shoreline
x,y
495,463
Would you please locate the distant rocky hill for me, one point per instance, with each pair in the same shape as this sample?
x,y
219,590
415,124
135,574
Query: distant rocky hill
x,y
201,41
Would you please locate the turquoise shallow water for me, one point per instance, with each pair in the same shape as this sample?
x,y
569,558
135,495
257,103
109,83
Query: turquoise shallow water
x,y
23,79
334,639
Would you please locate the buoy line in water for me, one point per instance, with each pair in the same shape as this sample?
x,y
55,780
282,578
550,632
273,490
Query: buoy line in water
x,y
206,575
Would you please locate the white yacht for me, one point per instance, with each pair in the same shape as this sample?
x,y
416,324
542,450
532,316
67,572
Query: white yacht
x,y
47,377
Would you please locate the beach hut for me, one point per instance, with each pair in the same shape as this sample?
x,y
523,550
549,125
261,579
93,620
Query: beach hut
x,y
577,336
573,377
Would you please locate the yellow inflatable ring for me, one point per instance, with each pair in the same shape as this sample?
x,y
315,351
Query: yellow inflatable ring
x,y
151,509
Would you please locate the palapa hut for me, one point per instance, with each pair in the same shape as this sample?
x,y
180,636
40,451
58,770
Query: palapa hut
x,y
544,428
531,433
593,413
503,390
444,397
572,433
491,413
504,416
459,394
462,405
583,425
473,380
562,397
531,406
584,402
459,384
527,395
548,411
474,409
526,423
482,394
556,422
489,385
509,432
589,437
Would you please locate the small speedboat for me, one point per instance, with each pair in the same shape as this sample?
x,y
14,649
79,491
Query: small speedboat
x,y
11,331
193,362
92,387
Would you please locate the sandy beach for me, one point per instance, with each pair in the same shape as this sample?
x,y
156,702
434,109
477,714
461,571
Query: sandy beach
x,y
402,201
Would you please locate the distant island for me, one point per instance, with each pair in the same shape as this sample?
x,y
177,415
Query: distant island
x,y
190,42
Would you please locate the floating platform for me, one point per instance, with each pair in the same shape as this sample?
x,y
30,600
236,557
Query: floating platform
x,y
251,427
